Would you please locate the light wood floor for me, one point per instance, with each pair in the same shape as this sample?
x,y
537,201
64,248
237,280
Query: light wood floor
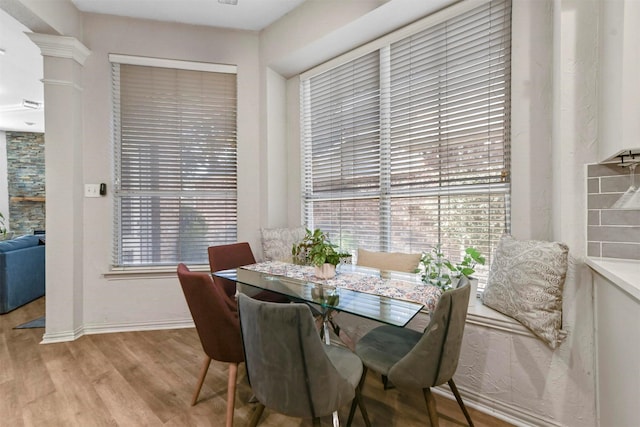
x,y
147,379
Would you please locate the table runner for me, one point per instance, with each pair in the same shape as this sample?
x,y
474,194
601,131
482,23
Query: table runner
x,y
410,289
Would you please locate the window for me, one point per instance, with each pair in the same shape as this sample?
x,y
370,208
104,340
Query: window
x,y
407,146
174,129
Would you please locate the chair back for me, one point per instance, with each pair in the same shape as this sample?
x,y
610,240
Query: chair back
x,y
224,257
215,315
434,359
286,363
394,261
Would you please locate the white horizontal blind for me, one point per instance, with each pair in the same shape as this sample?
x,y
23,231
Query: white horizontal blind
x,y
342,151
175,164
443,141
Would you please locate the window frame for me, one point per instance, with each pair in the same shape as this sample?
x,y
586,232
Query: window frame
x,y
380,45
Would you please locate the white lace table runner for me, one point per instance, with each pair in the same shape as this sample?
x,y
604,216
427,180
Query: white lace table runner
x,y
362,282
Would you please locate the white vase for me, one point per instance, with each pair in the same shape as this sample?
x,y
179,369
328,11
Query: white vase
x,y
326,271
473,294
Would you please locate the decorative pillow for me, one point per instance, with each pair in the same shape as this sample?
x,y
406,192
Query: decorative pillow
x,y
277,242
526,281
395,261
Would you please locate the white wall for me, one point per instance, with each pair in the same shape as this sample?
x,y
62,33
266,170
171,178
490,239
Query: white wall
x,y
148,301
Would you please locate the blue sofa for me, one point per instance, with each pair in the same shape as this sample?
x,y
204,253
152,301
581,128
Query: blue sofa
x,y
22,271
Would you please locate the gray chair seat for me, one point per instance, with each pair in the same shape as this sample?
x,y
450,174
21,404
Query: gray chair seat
x,y
384,346
348,365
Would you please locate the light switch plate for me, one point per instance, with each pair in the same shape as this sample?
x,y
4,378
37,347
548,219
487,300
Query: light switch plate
x,y
92,190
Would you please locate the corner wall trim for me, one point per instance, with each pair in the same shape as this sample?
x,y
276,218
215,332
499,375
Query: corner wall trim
x,y
60,46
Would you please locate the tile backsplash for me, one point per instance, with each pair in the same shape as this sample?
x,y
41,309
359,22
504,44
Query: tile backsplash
x,y
611,233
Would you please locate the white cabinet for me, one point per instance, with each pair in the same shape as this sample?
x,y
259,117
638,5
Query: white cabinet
x,y
617,340
619,91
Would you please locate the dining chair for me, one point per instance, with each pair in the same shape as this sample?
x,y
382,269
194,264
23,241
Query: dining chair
x,y
413,360
394,261
289,368
234,255
224,257
349,327
215,315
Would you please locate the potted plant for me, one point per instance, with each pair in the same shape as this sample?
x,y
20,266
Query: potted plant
x,y
437,270
3,228
316,249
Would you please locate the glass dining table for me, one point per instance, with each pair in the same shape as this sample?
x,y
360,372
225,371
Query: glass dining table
x,y
324,296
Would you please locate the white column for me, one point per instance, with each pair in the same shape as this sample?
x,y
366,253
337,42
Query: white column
x,y
63,60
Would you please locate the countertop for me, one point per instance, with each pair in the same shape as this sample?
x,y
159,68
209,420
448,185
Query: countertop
x,y
624,273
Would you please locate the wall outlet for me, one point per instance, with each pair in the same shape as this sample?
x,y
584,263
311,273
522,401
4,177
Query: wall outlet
x,y
92,190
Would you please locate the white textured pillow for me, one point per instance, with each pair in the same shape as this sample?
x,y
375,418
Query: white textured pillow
x,y
526,282
277,242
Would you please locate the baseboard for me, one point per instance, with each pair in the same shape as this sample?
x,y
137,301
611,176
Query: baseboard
x,y
498,409
65,336
108,328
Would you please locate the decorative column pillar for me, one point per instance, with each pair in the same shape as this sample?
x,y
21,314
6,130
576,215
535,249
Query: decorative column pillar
x,y
63,60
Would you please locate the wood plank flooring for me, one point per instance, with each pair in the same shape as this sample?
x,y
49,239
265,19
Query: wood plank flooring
x,y
147,378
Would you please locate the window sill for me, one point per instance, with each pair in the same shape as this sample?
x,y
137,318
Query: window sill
x,y
125,273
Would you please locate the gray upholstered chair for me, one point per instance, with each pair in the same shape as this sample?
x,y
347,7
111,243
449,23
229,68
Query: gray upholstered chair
x,y
412,360
289,368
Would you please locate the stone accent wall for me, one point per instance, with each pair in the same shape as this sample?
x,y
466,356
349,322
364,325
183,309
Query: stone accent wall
x,y
611,233
26,182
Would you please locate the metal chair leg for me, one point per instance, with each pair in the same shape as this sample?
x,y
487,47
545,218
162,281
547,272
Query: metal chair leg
x,y
253,422
431,406
358,400
454,389
386,384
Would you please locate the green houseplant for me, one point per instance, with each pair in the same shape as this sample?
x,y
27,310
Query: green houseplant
x,y
3,228
316,249
437,270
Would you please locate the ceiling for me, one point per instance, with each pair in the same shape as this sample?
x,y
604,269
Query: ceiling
x,y
20,78
245,15
21,63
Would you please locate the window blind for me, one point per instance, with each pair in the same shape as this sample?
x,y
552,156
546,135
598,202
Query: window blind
x,y
175,164
431,165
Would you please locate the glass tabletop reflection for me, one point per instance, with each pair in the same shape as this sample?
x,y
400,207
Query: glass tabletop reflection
x,y
384,309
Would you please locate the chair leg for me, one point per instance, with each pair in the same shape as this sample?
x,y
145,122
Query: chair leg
x,y
431,406
231,392
253,422
316,422
386,384
203,374
363,409
358,400
454,389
